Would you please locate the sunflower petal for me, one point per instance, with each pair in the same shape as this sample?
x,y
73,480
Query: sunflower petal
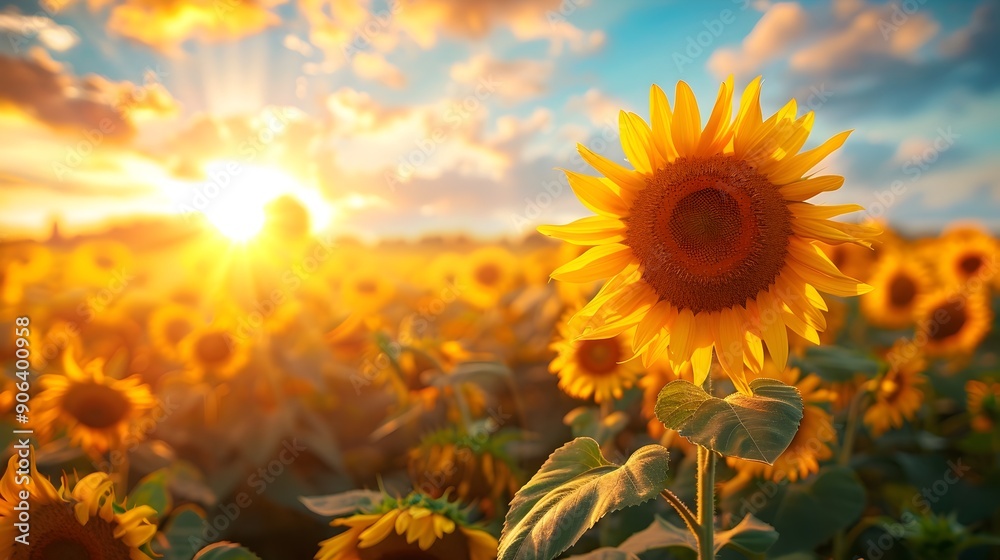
x,y
596,263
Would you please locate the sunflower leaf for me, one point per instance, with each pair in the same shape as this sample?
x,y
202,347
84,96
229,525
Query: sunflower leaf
x,y
836,364
344,503
152,491
225,551
574,489
756,428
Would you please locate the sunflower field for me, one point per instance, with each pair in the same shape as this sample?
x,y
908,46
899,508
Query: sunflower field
x,y
709,364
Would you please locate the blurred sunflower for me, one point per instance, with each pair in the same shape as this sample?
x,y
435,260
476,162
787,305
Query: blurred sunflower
x,y
11,283
812,441
81,520
476,467
489,273
954,322
983,403
897,394
856,261
899,281
966,253
96,262
708,239
366,290
593,367
215,351
168,325
417,527
98,412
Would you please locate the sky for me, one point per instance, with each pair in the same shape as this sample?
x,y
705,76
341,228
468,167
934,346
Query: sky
x,y
418,117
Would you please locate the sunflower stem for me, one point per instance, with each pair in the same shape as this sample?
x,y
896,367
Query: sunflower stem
x,y
851,428
683,511
706,496
706,503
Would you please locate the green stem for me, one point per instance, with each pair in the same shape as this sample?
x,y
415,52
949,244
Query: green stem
x,y
682,510
851,428
706,503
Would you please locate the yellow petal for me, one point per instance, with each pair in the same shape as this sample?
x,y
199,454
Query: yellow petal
x,y
686,125
718,130
635,141
595,195
596,263
592,230
624,178
659,111
808,188
794,168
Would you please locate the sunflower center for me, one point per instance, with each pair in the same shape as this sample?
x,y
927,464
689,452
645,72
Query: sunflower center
x,y
970,264
95,406
213,348
902,290
104,262
599,356
488,274
57,535
710,233
952,319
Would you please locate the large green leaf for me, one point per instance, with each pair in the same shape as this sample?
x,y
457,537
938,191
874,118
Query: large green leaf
x,y
184,533
344,503
574,489
750,536
152,491
225,551
835,363
812,511
757,428
605,553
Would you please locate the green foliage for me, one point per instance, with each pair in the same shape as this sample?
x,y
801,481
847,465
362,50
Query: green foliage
x,y
750,536
757,428
811,512
184,533
574,489
153,491
345,503
835,363
225,551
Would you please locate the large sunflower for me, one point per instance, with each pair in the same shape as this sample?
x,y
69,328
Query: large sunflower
x,y
813,439
593,367
897,394
708,240
98,412
899,281
81,520
415,527
953,322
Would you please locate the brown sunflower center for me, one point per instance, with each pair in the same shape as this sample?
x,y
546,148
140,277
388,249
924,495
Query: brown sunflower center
x,y
213,348
902,290
970,264
57,535
104,261
599,356
949,319
710,233
94,405
488,274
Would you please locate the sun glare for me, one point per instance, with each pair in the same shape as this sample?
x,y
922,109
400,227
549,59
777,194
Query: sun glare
x,y
238,211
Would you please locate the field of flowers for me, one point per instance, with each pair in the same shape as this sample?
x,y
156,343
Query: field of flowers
x,y
257,396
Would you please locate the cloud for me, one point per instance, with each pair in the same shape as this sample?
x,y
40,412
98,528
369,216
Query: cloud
x,y
518,80
23,30
779,27
374,66
44,89
597,106
167,24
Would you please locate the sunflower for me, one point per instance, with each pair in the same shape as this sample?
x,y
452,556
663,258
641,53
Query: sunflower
x,y
415,527
983,404
97,262
897,394
812,441
215,351
651,383
169,324
593,367
854,260
97,411
488,275
476,467
953,322
708,241
899,281
82,520
366,291
967,253
33,260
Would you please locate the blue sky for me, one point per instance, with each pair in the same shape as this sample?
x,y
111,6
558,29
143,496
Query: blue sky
x,y
415,117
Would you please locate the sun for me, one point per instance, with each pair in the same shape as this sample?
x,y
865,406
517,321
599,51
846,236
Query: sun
x,y
238,211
